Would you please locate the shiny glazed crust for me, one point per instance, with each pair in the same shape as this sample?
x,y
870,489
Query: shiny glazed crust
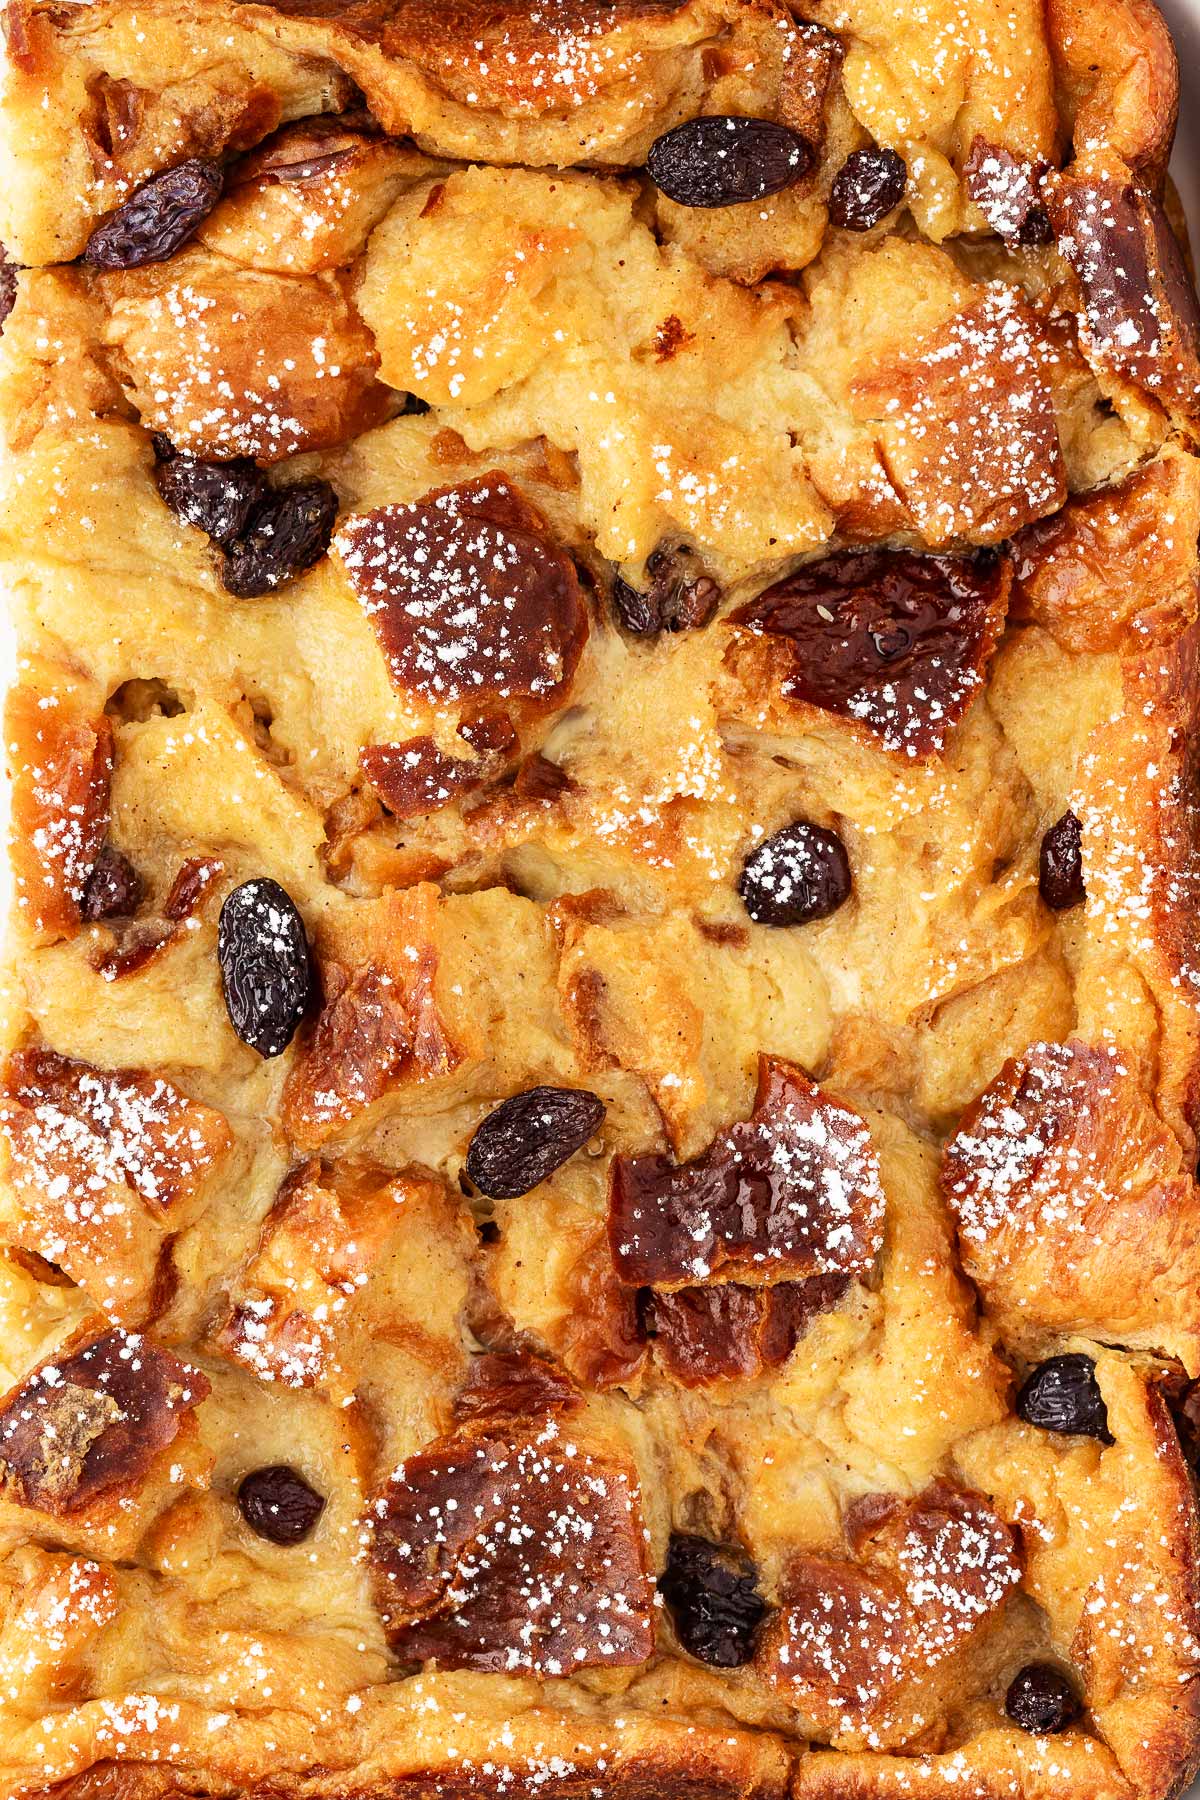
x,y
661,529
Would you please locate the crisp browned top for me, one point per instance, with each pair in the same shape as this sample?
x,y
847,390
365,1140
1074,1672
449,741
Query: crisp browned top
x,y
895,642
86,1426
470,598
513,1553
792,1191
456,568
72,1125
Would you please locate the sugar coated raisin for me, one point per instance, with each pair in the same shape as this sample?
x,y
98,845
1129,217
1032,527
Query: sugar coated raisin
x,y
1040,1699
287,532
868,186
799,874
278,1504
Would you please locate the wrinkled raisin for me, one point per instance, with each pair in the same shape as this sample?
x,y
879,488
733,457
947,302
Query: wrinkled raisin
x,y
1060,865
710,1591
160,217
266,969
869,184
287,532
680,597
1037,228
114,888
216,497
1041,1699
279,1505
725,161
529,1136
1063,1395
8,287
800,874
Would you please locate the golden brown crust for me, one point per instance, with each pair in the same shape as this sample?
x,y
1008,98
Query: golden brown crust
x,y
1075,1212
749,648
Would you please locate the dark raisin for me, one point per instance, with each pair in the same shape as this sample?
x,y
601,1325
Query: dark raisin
x,y
710,1591
114,887
1036,228
680,597
8,286
279,1505
1062,1395
1041,1699
288,531
1060,865
725,161
266,969
160,217
800,874
634,610
217,497
869,184
529,1136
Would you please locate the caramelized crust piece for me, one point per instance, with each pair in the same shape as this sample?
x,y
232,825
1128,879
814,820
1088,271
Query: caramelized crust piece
x,y
307,200
602,1341
1141,313
573,81
896,642
380,1026
229,362
513,1384
513,1554
90,1423
1119,78
131,944
105,1164
61,770
1005,188
733,1332
854,1645
470,598
791,1192
1119,566
967,427
70,1125
417,777
1075,1211
319,1242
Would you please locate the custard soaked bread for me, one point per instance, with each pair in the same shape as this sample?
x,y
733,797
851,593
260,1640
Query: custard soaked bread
x,y
602,1056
